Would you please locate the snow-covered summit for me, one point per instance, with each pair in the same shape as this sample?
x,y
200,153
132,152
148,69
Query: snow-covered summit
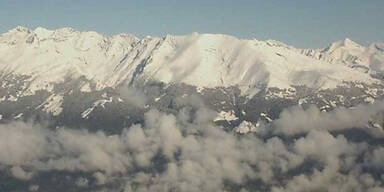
x,y
202,60
346,43
369,59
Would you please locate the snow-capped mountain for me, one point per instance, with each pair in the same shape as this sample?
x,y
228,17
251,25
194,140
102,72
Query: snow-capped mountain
x,y
368,59
72,75
80,111
202,60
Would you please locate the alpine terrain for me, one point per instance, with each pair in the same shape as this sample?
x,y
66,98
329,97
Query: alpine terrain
x,y
94,92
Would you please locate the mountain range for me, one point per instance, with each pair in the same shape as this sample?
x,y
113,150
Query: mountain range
x,y
41,68
81,111
202,60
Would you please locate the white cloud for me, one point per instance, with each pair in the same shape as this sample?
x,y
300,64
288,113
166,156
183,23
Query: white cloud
x,y
19,173
296,120
193,154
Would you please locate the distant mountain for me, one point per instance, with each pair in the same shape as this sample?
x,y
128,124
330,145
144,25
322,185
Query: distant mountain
x,y
80,111
368,59
202,60
47,71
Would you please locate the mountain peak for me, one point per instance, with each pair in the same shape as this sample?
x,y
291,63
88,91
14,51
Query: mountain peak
x,y
345,44
349,43
42,33
20,29
65,31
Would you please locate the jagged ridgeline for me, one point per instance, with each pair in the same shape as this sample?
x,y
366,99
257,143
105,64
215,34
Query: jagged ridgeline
x,y
67,74
101,89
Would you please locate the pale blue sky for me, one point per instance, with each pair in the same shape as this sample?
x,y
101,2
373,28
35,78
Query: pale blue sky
x,y
302,23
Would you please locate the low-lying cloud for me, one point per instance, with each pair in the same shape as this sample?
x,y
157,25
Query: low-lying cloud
x,y
296,120
187,152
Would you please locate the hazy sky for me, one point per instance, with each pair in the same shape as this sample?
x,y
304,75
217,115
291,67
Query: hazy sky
x,y
302,23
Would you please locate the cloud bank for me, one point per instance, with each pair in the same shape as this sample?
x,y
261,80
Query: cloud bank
x,y
188,152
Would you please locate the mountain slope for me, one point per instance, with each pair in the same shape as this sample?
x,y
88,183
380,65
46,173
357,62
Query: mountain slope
x,y
87,79
368,59
202,60
80,111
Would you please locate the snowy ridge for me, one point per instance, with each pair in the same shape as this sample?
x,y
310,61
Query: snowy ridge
x,y
202,60
368,59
